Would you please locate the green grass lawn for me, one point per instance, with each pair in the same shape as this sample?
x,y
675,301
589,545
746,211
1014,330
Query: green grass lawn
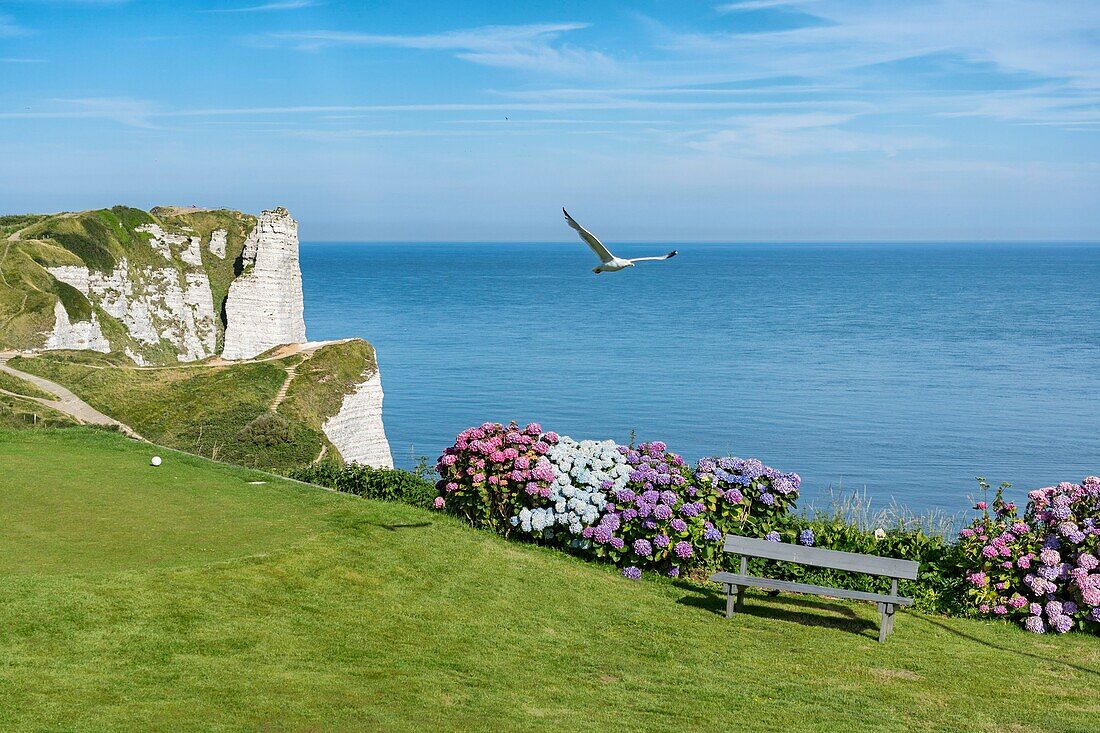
x,y
186,598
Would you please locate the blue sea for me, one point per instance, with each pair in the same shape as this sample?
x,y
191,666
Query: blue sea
x,y
901,369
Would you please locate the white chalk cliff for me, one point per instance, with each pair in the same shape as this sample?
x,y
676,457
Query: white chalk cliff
x,y
170,303
264,308
79,335
357,430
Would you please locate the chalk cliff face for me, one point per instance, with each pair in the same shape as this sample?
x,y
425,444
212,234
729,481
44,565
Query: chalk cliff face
x,y
79,335
172,303
264,307
357,431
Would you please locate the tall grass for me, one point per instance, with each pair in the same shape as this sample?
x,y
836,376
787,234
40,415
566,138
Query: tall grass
x,y
858,509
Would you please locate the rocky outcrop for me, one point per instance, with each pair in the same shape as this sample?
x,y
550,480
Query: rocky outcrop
x,y
356,430
79,335
218,242
264,307
155,303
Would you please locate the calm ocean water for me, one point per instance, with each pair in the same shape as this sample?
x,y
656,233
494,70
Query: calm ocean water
x,y
903,369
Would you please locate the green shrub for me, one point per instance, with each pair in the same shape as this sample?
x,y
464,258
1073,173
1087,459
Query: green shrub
x,y
268,429
392,484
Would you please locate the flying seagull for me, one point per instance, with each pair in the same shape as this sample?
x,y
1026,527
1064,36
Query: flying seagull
x,y
608,261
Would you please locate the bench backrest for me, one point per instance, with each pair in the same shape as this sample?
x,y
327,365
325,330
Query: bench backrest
x,y
818,557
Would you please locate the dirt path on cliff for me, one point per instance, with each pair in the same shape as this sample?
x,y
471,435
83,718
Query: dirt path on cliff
x,y
66,401
307,349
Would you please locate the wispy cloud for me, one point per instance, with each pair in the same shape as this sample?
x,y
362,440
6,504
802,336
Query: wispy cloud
x,y
531,47
123,110
1034,42
748,5
266,7
805,134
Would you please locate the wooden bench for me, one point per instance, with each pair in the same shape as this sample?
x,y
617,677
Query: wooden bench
x,y
888,567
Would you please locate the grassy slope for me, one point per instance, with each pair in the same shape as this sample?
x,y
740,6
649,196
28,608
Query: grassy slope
x,y
321,382
374,616
16,412
204,409
12,383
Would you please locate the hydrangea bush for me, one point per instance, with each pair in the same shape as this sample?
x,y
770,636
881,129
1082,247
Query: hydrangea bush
x,y
641,507
493,472
587,472
1040,569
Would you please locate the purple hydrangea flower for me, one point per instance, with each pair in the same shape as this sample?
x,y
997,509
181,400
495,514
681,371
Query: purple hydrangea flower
x,y
678,524
661,540
773,536
662,511
1035,625
618,543
673,572
632,572
806,537
643,547
683,549
712,535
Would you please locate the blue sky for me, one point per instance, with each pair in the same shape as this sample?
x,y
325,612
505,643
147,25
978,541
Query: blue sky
x,y
662,120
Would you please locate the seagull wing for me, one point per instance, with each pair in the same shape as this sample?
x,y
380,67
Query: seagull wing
x,y
673,253
590,239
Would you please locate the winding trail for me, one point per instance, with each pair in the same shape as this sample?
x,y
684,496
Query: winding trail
x,y
291,371
66,401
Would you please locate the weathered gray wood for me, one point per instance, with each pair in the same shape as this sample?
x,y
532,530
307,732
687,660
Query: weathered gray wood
x,y
740,588
818,557
817,590
729,600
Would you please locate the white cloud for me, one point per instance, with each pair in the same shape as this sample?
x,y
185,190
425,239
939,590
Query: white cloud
x,y
526,47
1032,41
747,5
123,110
266,7
804,134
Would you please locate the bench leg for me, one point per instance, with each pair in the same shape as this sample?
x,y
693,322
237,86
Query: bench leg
x,y
886,621
740,598
729,601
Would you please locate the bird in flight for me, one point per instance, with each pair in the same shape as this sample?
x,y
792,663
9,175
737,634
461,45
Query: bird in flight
x,y
608,261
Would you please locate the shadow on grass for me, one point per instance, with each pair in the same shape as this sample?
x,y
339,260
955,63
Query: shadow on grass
x,y
395,527
808,611
1008,649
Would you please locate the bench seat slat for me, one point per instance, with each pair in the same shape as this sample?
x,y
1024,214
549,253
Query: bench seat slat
x,y
820,590
822,558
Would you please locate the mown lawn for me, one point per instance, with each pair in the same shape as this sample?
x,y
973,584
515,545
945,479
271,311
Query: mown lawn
x,y
186,598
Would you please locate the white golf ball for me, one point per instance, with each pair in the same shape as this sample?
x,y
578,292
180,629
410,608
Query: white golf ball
x,y
155,461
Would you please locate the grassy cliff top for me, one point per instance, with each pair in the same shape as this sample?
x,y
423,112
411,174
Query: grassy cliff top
x,y
230,412
186,597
